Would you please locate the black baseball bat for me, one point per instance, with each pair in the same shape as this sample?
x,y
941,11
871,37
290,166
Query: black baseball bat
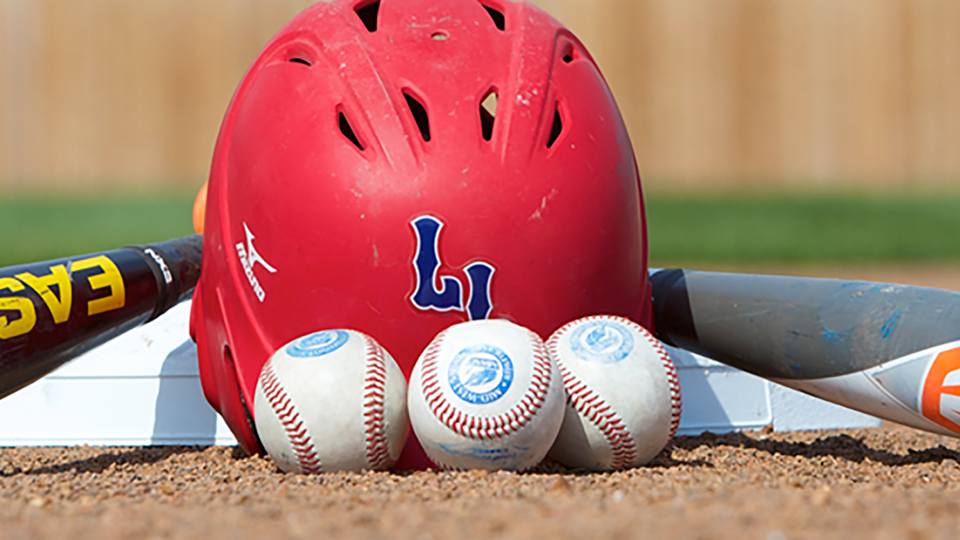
x,y
889,350
54,311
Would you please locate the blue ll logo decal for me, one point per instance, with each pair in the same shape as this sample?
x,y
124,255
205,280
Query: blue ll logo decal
x,y
449,295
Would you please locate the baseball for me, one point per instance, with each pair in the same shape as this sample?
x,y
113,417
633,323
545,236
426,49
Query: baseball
x,y
486,395
623,395
331,401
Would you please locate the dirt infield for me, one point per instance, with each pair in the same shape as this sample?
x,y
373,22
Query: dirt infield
x,y
880,483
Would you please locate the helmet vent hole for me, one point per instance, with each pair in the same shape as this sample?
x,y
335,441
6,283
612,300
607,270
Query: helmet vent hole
x,y
488,114
348,131
556,130
296,60
497,16
569,53
419,116
369,14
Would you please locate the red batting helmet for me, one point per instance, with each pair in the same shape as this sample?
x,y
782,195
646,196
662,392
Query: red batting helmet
x,y
398,166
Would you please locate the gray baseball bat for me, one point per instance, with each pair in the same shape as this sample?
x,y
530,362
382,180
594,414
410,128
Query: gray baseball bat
x,y
889,350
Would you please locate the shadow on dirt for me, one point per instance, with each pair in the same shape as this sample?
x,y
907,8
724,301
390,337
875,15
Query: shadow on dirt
x,y
841,446
116,457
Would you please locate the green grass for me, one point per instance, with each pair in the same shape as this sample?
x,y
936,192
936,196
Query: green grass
x,y
723,229
803,229
35,229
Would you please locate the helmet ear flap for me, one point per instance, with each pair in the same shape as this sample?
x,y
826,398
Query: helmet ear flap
x,y
218,374
231,392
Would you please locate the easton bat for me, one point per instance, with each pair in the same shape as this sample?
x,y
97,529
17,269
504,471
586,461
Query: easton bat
x,y
892,351
54,311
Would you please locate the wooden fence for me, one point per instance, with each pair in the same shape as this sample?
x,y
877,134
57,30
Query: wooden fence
x,y
115,94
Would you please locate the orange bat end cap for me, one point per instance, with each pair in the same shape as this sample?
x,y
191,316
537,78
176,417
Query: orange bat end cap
x,y
200,209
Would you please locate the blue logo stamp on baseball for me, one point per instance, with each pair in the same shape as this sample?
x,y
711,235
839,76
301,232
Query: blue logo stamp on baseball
x,y
480,374
318,344
602,342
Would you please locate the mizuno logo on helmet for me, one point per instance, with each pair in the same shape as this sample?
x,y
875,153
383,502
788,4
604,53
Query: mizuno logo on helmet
x,y
248,259
449,296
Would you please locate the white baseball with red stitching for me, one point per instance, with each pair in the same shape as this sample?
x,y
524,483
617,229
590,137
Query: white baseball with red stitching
x,y
486,395
331,401
623,394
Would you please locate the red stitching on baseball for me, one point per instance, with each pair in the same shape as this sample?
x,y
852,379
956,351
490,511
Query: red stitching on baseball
x,y
592,407
581,396
483,428
283,407
673,380
676,400
374,398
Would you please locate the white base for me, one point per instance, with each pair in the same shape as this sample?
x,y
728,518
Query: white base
x,y
719,398
144,389
796,411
